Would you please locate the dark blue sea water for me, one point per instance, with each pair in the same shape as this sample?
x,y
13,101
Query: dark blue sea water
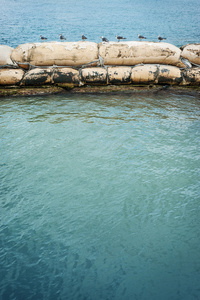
x,y
22,21
100,194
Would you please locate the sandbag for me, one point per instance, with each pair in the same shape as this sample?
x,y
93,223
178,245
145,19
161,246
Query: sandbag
x,y
192,76
119,75
144,73
169,75
11,76
5,53
192,53
37,76
56,53
133,53
66,75
94,75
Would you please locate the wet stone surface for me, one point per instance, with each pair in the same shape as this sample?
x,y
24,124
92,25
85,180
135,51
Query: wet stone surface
x,y
87,89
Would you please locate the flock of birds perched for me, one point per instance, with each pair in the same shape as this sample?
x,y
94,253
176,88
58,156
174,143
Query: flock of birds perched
x,y
104,39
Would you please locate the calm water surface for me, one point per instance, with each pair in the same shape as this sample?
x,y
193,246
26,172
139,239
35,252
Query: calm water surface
x,y
100,197
99,194
23,21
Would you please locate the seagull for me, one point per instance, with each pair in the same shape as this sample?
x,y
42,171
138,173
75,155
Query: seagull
x,y
43,38
62,37
104,39
141,37
161,38
120,38
83,37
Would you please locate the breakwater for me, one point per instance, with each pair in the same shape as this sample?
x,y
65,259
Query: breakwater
x,y
75,64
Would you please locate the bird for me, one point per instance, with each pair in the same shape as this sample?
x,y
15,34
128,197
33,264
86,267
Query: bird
x,y
104,39
120,38
62,37
141,37
42,37
83,37
161,38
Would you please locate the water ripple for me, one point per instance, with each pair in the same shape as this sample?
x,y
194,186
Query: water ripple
x,y
99,197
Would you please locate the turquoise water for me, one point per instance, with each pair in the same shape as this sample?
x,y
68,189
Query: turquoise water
x,y
100,194
100,197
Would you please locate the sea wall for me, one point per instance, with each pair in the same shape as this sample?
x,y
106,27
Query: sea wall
x,y
87,63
